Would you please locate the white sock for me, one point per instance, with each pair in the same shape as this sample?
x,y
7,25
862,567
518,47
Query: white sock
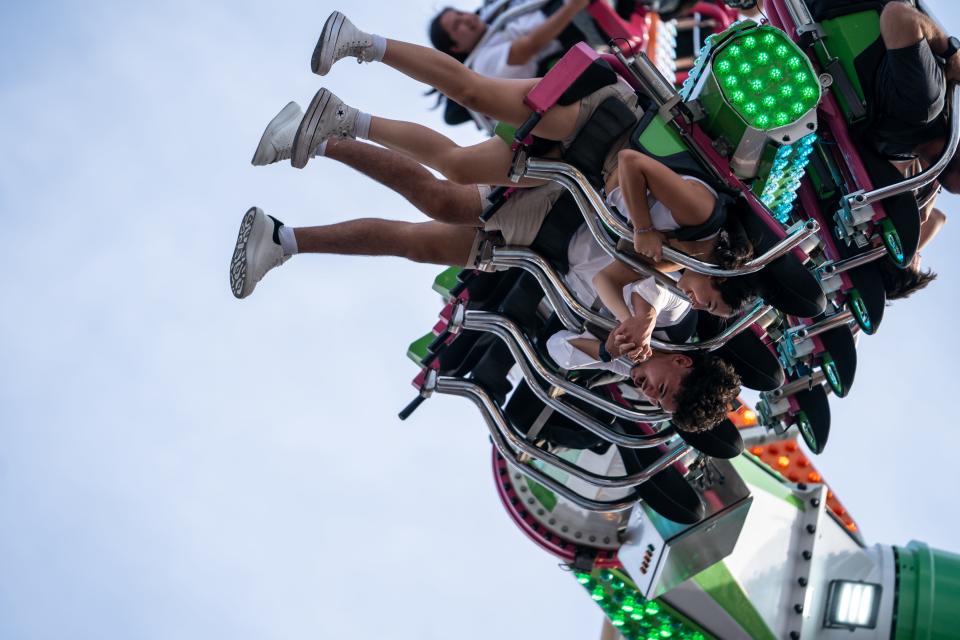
x,y
321,149
379,47
288,241
361,128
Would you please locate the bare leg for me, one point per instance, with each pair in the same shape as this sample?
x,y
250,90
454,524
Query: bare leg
x,y
429,242
438,199
902,26
487,162
498,98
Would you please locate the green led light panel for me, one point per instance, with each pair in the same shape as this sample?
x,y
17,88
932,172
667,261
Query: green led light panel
x,y
766,78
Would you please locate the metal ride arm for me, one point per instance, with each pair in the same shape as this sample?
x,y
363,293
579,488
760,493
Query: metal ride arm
x,y
590,203
558,294
517,443
492,414
862,199
521,349
842,266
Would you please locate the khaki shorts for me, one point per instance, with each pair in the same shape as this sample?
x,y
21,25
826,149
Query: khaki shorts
x,y
589,104
518,221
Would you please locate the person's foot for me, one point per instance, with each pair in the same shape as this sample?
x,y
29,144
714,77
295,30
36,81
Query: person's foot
x,y
277,138
340,39
326,116
258,250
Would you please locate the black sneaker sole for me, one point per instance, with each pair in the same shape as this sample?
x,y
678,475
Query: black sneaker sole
x,y
304,138
238,264
330,32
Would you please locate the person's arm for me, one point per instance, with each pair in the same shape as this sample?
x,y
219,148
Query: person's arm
x,y
524,48
931,226
609,283
632,335
572,352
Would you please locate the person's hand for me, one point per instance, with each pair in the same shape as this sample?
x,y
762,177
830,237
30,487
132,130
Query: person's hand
x,y
631,339
649,244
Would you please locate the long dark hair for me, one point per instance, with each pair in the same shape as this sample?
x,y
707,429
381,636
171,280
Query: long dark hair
x,y
733,248
441,39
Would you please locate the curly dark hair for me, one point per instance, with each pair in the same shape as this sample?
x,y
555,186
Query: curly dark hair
x,y
738,291
705,394
901,283
441,39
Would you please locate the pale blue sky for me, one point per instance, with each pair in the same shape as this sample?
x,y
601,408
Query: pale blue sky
x,y
175,463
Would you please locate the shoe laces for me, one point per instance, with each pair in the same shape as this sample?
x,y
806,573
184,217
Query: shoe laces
x,y
359,48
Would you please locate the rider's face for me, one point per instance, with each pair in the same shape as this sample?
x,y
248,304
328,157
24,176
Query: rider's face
x,y
465,29
704,294
660,377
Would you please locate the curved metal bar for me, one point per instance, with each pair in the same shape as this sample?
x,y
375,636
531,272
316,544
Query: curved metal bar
x,y
489,410
842,266
600,235
593,203
558,292
863,199
841,319
517,442
510,332
585,420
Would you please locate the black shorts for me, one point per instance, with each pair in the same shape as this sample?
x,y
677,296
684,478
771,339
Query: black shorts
x,y
910,96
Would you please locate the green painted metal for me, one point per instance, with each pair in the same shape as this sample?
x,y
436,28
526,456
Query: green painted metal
x,y
633,616
660,139
928,593
546,498
417,350
724,589
760,476
847,37
446,280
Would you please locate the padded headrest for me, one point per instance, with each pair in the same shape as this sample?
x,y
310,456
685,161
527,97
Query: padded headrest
x,y
723,441
667,493
814,423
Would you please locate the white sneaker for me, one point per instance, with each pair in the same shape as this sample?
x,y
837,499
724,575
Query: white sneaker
x,y
277,138
340,39
326,116
258,250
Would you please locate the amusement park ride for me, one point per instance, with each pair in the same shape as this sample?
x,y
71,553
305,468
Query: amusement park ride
x,y
731,533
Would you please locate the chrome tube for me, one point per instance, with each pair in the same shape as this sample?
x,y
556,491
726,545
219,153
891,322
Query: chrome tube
x,y
510,333
518,443
549,278
551,281
842,266
552,170
803,384
560,298
646,73
490,412
862,199
839,320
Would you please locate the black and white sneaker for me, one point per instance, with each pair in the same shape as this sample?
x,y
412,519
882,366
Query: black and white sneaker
x,y
327,116
340,39
258,250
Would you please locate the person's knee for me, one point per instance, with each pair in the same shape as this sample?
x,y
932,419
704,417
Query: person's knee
x,y
900,25
467,93
456,166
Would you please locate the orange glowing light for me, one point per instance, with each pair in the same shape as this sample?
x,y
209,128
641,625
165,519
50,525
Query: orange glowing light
x,y
813,476
783,462
756,451
791,446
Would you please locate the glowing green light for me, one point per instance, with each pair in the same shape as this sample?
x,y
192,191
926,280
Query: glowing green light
x,y
762,58
750,42
801,77
768,39
786,90
738,96
762,121
757,85
781,50
734,51
731,81
745,68
606,575
798,108
652,608
781,118
768,101
750,108
583,578
776,74
794,62
598,594
808,92
724,66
